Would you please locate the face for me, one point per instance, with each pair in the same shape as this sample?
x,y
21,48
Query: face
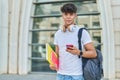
x,y
69,18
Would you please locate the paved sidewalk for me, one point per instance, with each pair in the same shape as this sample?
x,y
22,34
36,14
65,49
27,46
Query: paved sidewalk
x,y
29,77
34,76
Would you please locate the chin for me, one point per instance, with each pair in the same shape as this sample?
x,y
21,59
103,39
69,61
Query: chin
x,y
69,23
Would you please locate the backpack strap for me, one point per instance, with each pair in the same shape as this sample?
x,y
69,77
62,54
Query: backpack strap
x,y
84,60
79,38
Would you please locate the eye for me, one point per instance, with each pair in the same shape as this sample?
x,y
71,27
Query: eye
x,y
66,13
71,14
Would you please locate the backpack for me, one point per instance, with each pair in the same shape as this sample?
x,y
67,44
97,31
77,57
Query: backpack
x,y
92,67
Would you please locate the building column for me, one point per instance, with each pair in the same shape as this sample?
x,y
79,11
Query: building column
x,y
23,36
3,36
108,39
14,9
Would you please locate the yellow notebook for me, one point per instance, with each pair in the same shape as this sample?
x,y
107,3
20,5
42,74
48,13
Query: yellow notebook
x,y
51,56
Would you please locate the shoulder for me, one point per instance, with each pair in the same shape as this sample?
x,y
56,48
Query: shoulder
x,y
57,32
84,30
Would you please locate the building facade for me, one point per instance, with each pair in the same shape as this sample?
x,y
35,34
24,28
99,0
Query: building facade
x,y
26,25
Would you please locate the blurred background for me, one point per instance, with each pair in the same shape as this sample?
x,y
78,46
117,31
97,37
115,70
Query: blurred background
x,y
27,25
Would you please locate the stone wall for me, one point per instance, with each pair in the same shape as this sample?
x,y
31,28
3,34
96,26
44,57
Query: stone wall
x,y
116,23
14,25
3,36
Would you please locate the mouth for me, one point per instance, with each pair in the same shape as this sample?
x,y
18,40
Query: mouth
x,y
68,20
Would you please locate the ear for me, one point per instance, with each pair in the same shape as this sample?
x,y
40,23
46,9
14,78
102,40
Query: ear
x,y
76,19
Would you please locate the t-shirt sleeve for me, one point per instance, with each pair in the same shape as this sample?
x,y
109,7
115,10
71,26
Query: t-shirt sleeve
x,y
55,39
86,37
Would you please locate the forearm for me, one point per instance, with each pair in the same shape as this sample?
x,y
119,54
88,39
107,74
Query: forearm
x,y
89,51
89,54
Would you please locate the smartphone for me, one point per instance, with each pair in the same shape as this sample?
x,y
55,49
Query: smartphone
x,y
68,46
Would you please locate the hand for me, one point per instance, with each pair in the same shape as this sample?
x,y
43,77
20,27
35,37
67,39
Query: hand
x,y
53,67
73,50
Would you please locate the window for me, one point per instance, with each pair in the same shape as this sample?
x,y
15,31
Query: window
x,y
46,21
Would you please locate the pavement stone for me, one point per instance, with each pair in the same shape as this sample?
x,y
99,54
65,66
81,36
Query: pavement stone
x,y
33,76
28,77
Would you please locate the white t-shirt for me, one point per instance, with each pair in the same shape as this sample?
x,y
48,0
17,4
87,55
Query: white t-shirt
x,y
70,64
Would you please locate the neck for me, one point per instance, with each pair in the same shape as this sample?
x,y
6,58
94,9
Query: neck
x,y
67,25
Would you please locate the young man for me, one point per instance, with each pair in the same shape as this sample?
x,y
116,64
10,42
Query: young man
x,y
66,42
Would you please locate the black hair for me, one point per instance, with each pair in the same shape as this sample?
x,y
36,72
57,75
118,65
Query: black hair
x,y
69,8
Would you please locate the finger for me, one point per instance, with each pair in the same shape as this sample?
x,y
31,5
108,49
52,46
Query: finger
x,y
69,50
74,48
53,68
